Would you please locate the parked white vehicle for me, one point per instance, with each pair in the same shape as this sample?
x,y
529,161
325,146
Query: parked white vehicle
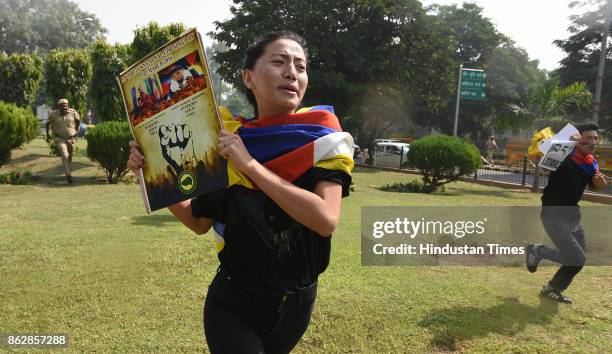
x,y
392,148
377,141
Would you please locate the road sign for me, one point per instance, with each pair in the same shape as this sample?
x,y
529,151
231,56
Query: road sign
x,y
473,74
473,84
472,95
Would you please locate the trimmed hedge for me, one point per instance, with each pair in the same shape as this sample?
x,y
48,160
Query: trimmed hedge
x,y
17,127
442,159
107,144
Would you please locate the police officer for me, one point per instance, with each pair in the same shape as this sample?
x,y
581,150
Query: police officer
x,y
64,123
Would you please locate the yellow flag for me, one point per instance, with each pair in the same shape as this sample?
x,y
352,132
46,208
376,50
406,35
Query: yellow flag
x,y
537,140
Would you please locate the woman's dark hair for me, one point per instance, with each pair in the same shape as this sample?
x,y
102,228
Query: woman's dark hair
x,y
586,127
257,48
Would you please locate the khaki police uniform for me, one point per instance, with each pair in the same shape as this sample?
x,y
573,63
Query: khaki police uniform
x,y
64,128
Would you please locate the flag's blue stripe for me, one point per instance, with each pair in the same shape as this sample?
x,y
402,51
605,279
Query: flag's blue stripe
x,y
588,168
268,143
322,108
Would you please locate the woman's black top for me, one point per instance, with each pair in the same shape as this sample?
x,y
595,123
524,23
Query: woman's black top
x,y
266,251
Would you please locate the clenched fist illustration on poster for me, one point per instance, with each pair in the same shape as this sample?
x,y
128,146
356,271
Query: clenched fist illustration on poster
x,y
174,140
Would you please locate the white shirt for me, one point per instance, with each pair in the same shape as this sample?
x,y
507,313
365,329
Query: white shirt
x,y
175,85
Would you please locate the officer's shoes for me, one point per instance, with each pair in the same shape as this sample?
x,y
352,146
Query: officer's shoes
x,y
70,180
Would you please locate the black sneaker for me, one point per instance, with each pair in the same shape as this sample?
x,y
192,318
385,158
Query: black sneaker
x,y
533,256
554,294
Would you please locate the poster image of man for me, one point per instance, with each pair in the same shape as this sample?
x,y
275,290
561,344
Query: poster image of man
x,y
179,79
172,84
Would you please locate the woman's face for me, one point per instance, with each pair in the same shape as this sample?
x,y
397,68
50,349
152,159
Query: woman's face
x,y
279,78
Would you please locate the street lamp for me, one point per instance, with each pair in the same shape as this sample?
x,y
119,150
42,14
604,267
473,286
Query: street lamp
x,y
77,21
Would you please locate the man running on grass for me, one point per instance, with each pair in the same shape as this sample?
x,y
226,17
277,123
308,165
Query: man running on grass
x,y
561,214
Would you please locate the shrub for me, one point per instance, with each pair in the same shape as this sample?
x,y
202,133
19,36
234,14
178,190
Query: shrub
x,y
16,177
20,76
17,126
107,144
442,159
411,187
67,74
55,151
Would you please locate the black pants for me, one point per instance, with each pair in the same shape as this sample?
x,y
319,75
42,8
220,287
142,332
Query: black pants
x,y
568,236
237,321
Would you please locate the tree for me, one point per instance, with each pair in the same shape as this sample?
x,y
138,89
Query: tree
x,y
226,94
582,50
151,37
378,111
107,62
550,105
67,75
478,45
475,35
43,25
20,76
17,126
354,46
511,75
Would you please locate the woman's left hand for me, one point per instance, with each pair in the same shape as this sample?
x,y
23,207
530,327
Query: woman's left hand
x,y
232,148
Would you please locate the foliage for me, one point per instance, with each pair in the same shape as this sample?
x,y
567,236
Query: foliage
x,y
67,74
151,37
510,72
410,187
378,111
17,126
442,159
550,105
107,62
37,26
354,47
16,177
582,50
475,35
107,144
226,95
20,76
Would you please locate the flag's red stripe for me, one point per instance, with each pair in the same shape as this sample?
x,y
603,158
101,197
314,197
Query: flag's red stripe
x,y
292,165
324,118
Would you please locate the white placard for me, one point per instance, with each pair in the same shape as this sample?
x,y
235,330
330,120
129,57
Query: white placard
x,y
563,135
559,150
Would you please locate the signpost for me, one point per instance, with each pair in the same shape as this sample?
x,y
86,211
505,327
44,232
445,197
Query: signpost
x,y
471,86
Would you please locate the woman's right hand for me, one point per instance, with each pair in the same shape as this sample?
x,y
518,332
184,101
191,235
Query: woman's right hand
x,y
136,160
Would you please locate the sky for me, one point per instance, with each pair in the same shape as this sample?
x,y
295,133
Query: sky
x,y
532,24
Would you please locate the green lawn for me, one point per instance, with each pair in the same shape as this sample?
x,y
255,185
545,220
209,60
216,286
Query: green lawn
x,y
87,261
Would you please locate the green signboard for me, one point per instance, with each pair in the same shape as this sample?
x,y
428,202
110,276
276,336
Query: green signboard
x,y
473,84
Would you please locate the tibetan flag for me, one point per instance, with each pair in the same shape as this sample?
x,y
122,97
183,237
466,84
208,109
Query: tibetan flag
x,y
537,140
587,163
291,144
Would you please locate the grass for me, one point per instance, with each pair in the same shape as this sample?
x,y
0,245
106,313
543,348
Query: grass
x,y
87,261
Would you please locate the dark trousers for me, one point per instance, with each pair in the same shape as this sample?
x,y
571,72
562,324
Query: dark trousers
x,y
236,321
568,236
